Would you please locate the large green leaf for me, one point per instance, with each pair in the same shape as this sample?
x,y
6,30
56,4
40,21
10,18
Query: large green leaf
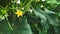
x,y
22,27
53,20
4,27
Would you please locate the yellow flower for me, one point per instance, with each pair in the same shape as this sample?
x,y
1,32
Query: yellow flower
x,y
19,13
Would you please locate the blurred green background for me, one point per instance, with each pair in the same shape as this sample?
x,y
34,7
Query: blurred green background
x,y
39,17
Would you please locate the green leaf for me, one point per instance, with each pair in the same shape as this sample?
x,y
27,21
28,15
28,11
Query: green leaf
x,y
53,1
58,14
28,5
43,17
2,17
22,27
3,11
4,27
49,12
53,20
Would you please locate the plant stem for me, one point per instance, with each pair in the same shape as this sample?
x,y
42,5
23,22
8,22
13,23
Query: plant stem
x,y
9,23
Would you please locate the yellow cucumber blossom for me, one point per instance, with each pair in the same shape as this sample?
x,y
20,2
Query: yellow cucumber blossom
x,y
19,13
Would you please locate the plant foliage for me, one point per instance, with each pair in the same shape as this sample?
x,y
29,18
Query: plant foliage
x,y
29,16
